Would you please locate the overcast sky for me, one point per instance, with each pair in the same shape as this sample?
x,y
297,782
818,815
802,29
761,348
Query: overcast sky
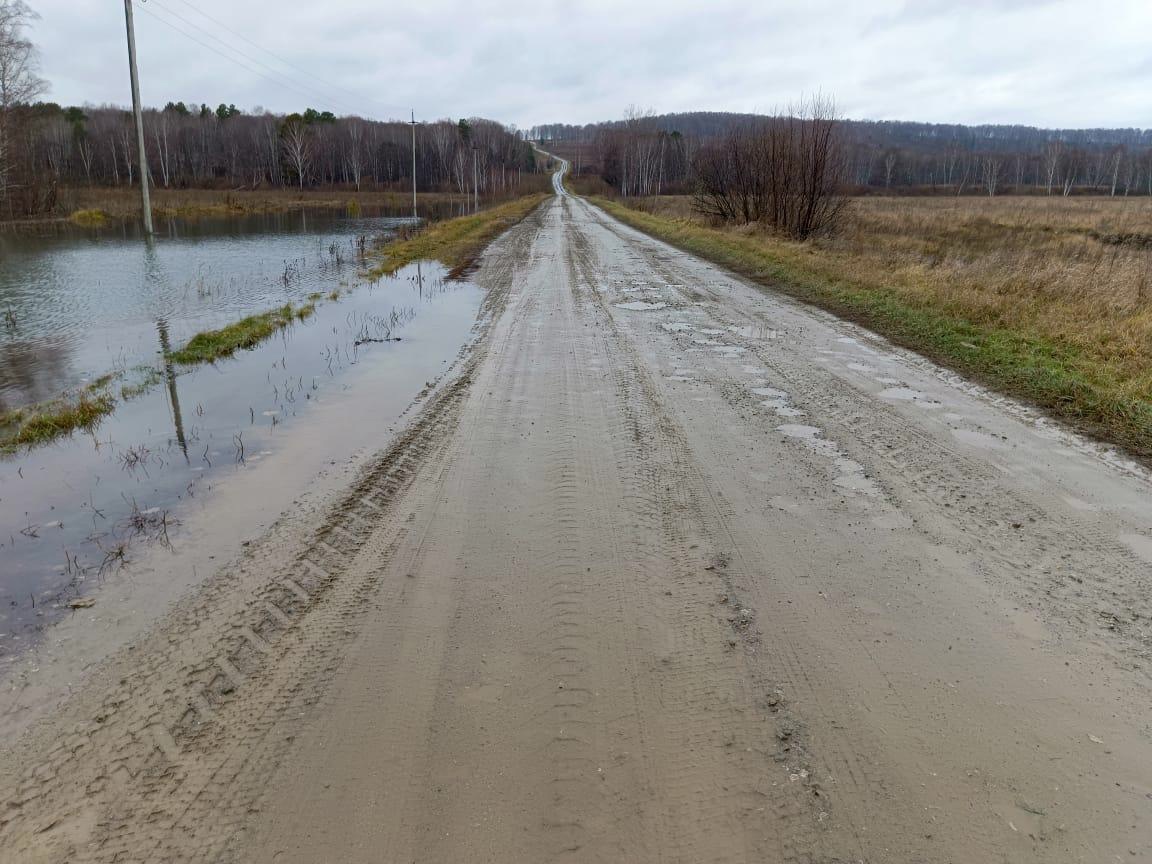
x,y
1064,63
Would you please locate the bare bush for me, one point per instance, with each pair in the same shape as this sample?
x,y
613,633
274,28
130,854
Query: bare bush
x,y
786,172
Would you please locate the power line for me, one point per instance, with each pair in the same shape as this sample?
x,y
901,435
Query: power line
x,y
228,51
299,85
271,53
283,80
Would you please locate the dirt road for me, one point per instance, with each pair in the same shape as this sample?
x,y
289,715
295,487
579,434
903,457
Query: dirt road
x,y
667,569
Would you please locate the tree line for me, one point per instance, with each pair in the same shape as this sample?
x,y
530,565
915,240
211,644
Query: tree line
x,y
45,146
643,152
202,147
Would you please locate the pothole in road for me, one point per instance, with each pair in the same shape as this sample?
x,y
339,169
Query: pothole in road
x,y
641,306
770,392
851,474
902,394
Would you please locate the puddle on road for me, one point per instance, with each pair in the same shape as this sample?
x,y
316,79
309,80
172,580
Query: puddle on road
x,y
981,440
756,331
640,306
73,511
770,392
904,394
776,401
850,475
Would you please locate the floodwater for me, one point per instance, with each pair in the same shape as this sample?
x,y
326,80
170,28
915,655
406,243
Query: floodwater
x,y
74,511
77,303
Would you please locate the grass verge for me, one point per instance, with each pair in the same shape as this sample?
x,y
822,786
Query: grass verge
x,y
456,243
212,345
34,425
92,218
1093,390
39,424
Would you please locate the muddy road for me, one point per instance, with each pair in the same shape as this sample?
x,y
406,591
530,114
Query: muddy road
x,y
666,569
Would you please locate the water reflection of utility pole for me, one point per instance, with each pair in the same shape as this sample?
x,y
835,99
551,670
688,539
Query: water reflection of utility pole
x,y
170,379
419,280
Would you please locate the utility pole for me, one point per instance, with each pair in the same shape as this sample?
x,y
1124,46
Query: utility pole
x,y
475,182
414,164
145,202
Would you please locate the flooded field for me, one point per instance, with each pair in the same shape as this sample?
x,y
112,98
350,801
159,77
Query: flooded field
x,y
77,303
73,512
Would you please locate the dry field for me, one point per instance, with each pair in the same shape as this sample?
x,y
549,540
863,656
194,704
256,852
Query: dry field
x,y
91,205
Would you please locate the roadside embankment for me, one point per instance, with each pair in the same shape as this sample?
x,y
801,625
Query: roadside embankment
x,y
456,243
1037,303
166,203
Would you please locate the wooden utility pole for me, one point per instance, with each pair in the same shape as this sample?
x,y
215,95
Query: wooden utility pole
x,y
145,202
475,182
414,164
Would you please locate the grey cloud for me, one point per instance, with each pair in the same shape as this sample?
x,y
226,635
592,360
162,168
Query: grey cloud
x,y
1044,62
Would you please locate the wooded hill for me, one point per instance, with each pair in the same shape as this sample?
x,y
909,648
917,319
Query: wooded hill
x,y
899,156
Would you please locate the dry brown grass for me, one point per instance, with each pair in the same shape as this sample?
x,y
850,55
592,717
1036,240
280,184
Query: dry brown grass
x,y
1076,271
122,202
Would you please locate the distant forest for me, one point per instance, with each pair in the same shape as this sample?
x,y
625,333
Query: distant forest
x,y
45,146
198,146
647,154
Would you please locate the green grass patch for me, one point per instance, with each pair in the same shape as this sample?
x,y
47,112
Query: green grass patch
x,y
213,345
1059,376
92,218
144,379
456,243
35,425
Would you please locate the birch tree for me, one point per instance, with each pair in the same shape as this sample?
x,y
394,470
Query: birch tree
x,y
296,141
19,81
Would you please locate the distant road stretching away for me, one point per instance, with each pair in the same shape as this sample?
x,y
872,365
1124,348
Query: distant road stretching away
x,y
668,569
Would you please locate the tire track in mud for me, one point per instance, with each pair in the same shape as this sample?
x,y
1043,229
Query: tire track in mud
x,y
781,809
163,759
1052,561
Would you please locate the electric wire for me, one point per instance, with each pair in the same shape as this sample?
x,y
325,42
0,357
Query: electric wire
x,y
282,80
280,58
156,4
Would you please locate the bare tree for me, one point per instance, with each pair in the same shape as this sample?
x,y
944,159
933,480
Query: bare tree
x,y
1052,153
787,172
19,81
889,167
296,140
990,172
354,149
